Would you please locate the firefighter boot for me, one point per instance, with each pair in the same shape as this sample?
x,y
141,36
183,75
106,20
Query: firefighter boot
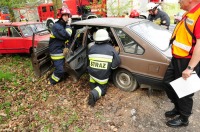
x,y
51,82
93,97
91,100
178,122
174,112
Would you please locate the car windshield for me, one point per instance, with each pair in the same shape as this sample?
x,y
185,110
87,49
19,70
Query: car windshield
x,y
154,34
28,30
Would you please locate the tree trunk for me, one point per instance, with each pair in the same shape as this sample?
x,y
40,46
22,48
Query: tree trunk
x,y
57,5
12,15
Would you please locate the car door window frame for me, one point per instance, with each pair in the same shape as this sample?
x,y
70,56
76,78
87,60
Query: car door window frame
x,y
15,32
4,32
131,47
75,51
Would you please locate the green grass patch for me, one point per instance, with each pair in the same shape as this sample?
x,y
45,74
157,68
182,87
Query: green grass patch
x,y
77,129
72,118
6,107
6,76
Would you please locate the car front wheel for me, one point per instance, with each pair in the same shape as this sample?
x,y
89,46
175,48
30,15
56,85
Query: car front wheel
x,y
124,80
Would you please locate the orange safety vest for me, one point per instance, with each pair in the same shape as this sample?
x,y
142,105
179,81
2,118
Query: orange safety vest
x,y
182,37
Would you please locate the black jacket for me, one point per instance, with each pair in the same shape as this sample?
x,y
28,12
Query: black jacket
x,y
165,20
103,58
57,44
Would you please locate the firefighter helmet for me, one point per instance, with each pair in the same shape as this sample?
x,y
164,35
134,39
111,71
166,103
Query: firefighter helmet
x,y
151,6
134,14
22,17
101,35
63,11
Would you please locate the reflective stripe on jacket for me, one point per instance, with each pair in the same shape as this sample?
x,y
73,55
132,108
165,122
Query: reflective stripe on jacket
x,y
57,56
182,37
103,58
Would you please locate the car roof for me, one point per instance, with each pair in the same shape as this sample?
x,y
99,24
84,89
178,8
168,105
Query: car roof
x,y
17,23
110,22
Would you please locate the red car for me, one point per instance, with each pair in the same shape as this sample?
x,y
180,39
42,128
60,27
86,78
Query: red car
x,y
16,37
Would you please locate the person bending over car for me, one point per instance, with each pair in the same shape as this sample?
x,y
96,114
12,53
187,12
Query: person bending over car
x,y
58,44
102,58
157,16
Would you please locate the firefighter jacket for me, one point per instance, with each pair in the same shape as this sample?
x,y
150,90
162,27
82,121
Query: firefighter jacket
x,y
183,39
58,39
161,18
102,58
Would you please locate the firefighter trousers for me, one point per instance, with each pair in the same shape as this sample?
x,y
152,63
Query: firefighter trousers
x,y
177,66
98,89
59,72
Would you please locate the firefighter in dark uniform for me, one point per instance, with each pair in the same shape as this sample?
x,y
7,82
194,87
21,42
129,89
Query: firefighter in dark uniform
x,y
102,58
157,16
58,44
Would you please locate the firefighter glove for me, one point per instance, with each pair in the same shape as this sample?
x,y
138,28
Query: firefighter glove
x,y
157,21
117,49
65,51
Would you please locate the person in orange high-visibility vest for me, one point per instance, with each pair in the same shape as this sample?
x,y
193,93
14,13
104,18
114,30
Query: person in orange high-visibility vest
x,y
185,43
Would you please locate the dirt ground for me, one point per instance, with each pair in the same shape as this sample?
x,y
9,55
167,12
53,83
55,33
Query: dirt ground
x,y
117,111
63,107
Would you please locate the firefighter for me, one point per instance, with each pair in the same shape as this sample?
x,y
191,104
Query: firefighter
x,y
157,16
103,58
58,44
23,19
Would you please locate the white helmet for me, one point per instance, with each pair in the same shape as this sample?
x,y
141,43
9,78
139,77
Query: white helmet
x,y
151,6
101,35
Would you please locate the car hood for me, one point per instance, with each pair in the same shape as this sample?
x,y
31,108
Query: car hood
x,y
41,41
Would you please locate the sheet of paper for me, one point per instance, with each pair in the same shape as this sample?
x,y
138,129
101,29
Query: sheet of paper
x,y
185,87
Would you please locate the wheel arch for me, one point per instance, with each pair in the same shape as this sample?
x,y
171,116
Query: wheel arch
x,y
129,83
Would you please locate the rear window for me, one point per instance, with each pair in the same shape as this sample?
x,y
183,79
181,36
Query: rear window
x,y
154,34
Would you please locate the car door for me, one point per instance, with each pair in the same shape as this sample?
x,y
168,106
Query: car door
x,y
75,60
12,41
40,57
3,36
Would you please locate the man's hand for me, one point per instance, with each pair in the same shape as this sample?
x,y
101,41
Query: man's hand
x,y
65,51
186,73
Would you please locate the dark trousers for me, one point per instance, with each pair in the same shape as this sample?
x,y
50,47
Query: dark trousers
x,y
177,66
58,72
98,89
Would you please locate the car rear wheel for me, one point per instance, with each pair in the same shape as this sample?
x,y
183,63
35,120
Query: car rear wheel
x,y
124,80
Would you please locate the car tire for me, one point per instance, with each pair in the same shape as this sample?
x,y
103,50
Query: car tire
x,y
124,80
50,24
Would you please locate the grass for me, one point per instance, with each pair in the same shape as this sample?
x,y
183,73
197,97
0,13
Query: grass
x,y
72,118
6,107
5,76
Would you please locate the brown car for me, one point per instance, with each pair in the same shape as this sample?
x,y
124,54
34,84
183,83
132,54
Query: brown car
x,y
143,48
